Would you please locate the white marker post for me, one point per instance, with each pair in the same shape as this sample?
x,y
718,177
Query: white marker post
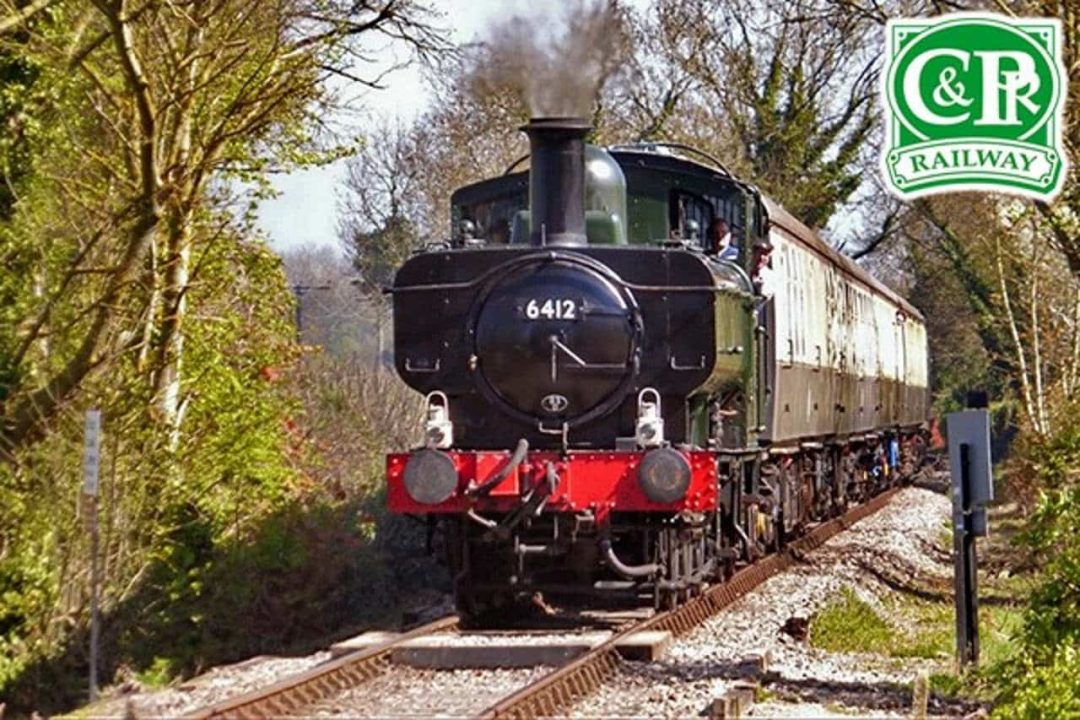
x,y
91,465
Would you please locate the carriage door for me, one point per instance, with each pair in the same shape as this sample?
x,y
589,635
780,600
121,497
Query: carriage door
x,y
767,341
900,393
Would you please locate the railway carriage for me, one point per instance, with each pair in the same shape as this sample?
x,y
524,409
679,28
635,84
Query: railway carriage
x,y
612,412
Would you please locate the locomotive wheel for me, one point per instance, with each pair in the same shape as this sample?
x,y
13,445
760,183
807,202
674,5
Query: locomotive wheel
x,y
682,564
488,610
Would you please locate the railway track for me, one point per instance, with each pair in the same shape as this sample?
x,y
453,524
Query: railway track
x,y
563,686
553,691
293,693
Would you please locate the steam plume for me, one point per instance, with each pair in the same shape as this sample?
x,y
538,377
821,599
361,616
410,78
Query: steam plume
x,y
559,64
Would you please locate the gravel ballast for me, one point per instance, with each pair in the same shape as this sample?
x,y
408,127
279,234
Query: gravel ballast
x,y
898,541
221,683
407,692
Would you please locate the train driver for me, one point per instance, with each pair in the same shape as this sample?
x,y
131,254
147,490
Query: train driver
x,y
720,244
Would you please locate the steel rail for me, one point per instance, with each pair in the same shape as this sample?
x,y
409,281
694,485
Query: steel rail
x,y
556,691
323,681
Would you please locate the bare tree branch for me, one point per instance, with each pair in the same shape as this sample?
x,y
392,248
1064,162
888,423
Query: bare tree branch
x,y
20,15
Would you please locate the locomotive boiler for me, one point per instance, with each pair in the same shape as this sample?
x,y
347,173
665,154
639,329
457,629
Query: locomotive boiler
x,y
615,409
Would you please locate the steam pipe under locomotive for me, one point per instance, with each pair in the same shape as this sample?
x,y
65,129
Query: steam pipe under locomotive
x,y
605,413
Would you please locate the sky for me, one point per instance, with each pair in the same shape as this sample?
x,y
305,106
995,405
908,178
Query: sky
x,y
306,211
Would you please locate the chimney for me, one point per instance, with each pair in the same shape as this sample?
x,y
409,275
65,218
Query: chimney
x,y
557,180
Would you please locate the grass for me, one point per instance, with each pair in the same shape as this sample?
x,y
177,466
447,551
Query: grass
x,y
934,629
1003,586
944,539
998,625
946,684
848,624
907,627
159,674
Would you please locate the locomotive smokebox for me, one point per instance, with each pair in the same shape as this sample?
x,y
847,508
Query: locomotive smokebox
x,y
557,180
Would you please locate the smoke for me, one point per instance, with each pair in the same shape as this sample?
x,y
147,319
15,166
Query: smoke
x,y
559,64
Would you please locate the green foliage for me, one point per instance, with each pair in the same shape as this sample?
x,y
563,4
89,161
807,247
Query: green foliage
x,y
236,438
1053,616
914,628
1048,689
946,684
797,90
165,514
999,628
19,93
160,672
1041,678
33,536
290,579
377,254
252,536
135,283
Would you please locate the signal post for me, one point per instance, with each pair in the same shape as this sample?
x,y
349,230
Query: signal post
x,y
972,490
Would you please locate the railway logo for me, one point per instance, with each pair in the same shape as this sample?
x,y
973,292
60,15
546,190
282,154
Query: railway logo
x,y
554,403
974,101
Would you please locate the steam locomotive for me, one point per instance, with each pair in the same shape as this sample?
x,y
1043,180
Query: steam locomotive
x,y
615,412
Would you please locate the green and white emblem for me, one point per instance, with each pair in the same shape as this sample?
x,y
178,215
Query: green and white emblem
x,y
974,101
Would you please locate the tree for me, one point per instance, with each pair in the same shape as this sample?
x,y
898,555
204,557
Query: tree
x,y
166,103
330,302
1062,217
1016,295
383,215
135,282
782,92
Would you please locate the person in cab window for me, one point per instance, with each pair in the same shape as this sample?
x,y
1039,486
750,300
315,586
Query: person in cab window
x,y
720,244
763,276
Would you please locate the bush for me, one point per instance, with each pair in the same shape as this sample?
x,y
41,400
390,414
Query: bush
x,y
1043,690
1042,679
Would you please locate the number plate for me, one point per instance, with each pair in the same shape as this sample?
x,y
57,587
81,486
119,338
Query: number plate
x,y
551,309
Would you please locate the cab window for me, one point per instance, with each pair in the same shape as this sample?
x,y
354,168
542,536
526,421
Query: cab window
x,y
494,219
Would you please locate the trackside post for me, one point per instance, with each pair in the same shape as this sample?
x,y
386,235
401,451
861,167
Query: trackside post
x,y
91,463
972,490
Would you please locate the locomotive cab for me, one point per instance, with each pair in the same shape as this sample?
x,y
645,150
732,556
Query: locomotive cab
x,y
496,211
634,195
